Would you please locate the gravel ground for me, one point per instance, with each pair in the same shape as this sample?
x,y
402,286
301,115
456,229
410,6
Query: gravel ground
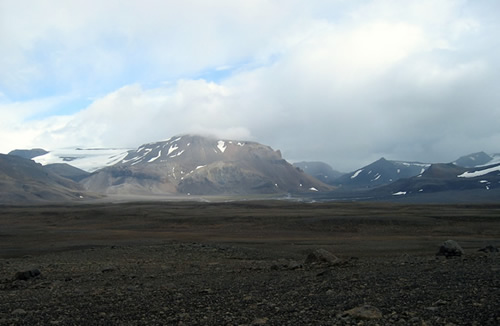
x,y
186,283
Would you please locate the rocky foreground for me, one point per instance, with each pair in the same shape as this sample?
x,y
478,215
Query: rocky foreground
x,y
186,283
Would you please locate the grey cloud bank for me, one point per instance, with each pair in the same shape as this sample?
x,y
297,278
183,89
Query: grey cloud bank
x,y
343,82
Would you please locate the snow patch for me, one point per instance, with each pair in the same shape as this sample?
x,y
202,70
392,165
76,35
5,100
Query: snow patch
x,y
199,167
221,145
155,158
172,148
356,174
479,173
313,189
377,176
241,144
178,154
399,193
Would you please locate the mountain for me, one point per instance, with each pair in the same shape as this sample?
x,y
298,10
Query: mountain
x,y
199,165
477,159
24,181
440,178
380,173
87,159
472,160
320,170
28,153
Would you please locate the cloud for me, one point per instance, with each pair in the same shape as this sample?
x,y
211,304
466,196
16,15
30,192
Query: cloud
x,y
343,82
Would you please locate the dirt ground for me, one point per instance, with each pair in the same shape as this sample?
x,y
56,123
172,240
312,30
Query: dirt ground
x,y
245,263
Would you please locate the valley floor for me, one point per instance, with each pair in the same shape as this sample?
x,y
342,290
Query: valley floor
x,y
245,263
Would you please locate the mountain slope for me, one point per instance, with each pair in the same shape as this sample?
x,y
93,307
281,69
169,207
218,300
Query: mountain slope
x,y
24,181
67,171
199,165
320,171
380,173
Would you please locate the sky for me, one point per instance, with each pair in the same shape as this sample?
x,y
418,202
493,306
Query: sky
x,y
340,81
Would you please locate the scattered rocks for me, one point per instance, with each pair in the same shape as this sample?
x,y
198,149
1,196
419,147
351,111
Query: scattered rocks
x,y
450,248
26,275
192,290
365,312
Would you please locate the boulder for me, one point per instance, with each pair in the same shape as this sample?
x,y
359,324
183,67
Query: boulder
x,y
450,248
321,256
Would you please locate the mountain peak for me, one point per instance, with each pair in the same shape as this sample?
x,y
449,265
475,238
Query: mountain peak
x,y
193,164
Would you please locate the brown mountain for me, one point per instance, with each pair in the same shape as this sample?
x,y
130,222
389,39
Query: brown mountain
x,y
199,165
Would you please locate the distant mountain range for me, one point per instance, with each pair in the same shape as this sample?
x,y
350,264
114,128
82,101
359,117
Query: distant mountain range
x,y
380,173
483,181
196,165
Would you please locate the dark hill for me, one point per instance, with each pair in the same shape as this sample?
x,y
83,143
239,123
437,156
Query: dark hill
x,y
24,181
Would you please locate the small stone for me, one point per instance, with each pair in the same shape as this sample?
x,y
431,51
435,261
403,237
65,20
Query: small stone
x,y
366,312
260,321
19,312
294,265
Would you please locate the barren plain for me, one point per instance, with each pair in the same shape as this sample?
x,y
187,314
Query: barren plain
x,y
248,263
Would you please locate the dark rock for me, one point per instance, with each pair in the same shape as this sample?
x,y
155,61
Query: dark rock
x,y
489,249
450,248
26,275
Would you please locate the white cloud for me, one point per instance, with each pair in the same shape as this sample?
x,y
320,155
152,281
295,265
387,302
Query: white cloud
x,y
343,82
